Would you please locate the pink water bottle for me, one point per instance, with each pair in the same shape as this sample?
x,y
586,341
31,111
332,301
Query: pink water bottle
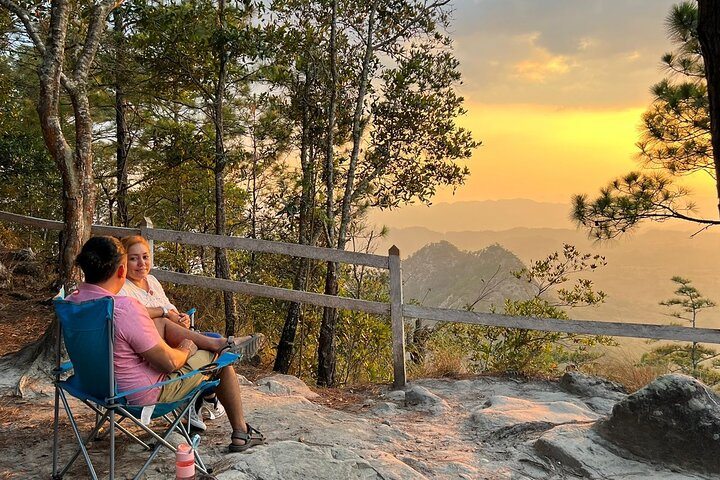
x,y
184,462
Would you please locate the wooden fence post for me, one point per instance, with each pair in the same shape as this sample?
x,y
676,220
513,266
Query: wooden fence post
x,y
396,318
145,226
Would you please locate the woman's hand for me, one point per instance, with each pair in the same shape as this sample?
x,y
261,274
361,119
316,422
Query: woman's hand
x,y
183,320
179,318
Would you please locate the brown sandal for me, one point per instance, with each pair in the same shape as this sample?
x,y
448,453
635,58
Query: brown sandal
x,y
251,438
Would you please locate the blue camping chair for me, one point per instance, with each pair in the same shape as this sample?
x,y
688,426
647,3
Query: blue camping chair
x,y
88,332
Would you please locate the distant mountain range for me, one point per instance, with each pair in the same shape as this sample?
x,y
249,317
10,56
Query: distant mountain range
x,y
636,278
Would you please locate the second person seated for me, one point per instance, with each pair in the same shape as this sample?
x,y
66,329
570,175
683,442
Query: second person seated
x,y
145,288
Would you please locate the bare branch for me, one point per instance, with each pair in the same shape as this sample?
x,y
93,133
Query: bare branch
x,y
30,27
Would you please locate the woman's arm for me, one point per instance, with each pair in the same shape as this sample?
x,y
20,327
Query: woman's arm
x,y
172,314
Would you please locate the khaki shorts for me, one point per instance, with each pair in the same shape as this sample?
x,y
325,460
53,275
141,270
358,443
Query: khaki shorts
x,y
178,390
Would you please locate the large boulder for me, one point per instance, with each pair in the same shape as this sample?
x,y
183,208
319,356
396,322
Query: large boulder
x,y
279,384
515,414
673,420
591,386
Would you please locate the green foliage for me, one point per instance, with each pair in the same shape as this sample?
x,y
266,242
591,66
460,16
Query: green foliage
x,y
690,300
630,199
684,359
495,349
395,139
30,183
415,139
694,359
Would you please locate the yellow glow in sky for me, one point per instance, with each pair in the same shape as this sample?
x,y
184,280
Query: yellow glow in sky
x,y
547,154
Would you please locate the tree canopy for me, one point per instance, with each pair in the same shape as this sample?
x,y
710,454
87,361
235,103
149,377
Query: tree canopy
x,y
679,130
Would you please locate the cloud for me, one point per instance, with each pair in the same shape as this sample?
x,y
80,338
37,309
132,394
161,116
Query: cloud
x,y
586,43
541,63
560,52
633,56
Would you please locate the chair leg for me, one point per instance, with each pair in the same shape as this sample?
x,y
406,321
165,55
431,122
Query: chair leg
x,y
119,426
112,443
56,428
82,443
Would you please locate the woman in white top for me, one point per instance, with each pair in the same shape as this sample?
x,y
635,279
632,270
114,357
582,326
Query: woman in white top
x,y
144,287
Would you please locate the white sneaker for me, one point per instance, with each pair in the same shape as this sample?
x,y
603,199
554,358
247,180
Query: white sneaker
x,y
196,420
211,408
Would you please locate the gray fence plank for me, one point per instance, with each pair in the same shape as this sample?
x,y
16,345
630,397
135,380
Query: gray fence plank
x,y
56,225
273,292
396,317
251,244
589,327
32,221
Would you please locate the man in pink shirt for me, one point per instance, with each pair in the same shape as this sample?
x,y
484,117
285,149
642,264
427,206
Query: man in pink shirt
x,y
146,353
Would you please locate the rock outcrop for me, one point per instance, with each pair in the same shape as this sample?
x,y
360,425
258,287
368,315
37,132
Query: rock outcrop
x,y
673,420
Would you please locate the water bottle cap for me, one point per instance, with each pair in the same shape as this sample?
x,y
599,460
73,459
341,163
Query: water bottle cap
x,y
184,448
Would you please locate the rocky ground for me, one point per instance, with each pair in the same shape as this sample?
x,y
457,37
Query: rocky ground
x,y
480,428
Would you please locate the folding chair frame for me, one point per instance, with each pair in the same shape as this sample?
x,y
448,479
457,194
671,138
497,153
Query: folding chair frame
x,y
108,409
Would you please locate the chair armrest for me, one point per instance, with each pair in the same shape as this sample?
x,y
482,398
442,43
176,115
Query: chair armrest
x,y
63,368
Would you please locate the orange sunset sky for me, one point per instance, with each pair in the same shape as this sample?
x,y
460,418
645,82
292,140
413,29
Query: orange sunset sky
x,y
554,90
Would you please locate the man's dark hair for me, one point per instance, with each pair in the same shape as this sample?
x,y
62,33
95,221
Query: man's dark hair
x,y
99,258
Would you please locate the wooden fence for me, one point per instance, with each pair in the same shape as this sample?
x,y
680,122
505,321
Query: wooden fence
x,y
396,308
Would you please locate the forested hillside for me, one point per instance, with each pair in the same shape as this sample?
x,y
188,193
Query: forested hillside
x,y
636,277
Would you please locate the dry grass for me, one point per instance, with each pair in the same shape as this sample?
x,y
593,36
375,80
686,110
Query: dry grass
x,y
622,368
441,362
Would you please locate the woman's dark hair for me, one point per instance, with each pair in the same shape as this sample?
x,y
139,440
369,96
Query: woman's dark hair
x,y
100,258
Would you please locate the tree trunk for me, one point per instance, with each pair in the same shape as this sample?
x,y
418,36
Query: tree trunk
x,y
121,129
327,362
326,345
326,340
222,266
709,37
286,346
75,164
357,131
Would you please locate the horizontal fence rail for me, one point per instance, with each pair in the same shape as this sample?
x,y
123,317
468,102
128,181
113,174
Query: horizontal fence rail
x,y
220,241
266,246
273,292
588,327
56,225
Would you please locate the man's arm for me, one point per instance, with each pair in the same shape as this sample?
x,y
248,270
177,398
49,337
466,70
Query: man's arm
x,y
167,359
